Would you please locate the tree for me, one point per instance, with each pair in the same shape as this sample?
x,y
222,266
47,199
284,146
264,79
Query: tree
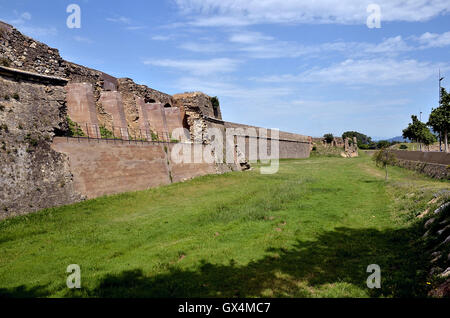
x,y
383,158
362,139
439,119
383,144
427,137
328,138
418,131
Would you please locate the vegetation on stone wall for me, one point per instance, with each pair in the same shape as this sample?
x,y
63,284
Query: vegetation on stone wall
x,y
105,133
154,136
319,150
74,129
215,104
4,127
5,62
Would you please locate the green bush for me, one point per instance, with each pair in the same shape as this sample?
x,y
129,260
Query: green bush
x,y
106,133
154,136
403,147
75,129
364,147
328,138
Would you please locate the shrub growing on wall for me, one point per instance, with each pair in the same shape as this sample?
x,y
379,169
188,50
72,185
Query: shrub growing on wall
x,y
105,133
75,129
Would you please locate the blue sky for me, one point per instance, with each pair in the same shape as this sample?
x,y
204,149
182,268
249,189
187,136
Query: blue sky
x,y
310,67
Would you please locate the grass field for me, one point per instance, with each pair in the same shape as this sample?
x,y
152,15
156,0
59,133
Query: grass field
x,y
310,230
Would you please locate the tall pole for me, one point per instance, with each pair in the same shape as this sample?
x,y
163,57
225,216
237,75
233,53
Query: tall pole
x,y
441,78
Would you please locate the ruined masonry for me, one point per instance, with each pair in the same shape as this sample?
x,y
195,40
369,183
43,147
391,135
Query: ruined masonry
x,y
44,98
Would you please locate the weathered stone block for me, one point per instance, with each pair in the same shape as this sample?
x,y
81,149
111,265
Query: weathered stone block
x,y
112,103
81,107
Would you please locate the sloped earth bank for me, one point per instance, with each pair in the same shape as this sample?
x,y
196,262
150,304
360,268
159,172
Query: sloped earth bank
x,y
311,230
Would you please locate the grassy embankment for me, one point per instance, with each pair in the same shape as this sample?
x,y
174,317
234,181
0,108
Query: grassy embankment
x,y
310,230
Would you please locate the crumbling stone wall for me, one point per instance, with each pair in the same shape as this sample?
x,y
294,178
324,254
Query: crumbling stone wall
x,y
24,53
197,102
290,145
132,92
197,109
349,146
19,51
32,175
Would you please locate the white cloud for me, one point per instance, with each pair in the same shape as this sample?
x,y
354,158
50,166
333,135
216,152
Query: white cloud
x,y
161,38
26,16
249,37
126,21
434,40
198,67
122,20
202,47
389,45
246,12
260,46
364,72
227,88
132,28
82,39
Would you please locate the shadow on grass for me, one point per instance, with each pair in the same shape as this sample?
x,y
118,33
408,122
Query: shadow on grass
x,y
24,292
338,256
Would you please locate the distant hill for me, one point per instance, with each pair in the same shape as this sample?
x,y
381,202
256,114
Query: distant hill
x,y
399,139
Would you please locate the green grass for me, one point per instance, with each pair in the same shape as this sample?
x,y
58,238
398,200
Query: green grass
x,y
310,230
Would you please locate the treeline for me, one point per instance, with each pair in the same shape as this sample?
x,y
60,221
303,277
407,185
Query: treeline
x,y
435,129
364,141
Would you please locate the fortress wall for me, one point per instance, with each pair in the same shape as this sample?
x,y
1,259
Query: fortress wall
x,y
143,115
109,167
81,106
103,168
433,164
112,104
157,119
290,145
32,175
173,118
24,53
442,158
197,102
184,171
